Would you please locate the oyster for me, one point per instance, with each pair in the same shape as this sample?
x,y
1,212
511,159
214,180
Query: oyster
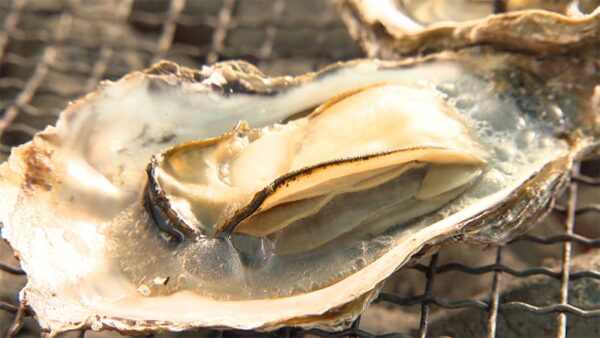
x,y
392,28
143,210
349,164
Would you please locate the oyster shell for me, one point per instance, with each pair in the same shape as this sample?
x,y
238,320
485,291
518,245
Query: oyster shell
x,y
109,245
392,28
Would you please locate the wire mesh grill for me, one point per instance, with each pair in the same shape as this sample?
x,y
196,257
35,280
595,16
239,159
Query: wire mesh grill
x,y
54,51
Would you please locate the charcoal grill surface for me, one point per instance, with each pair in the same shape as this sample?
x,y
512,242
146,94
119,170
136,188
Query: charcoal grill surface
x,y
54,51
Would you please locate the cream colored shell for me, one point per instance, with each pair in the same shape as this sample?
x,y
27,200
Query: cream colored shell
x,y
390,29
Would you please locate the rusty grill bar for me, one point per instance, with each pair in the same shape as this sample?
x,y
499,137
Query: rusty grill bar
x,y
179,28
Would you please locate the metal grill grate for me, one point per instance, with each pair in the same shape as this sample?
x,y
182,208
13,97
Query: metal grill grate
x,y
54,51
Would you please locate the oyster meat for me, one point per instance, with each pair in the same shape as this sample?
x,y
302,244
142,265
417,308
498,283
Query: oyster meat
x,y
392,28
175,199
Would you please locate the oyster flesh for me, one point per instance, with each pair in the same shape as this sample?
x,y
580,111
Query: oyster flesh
x,y
392,28
175,199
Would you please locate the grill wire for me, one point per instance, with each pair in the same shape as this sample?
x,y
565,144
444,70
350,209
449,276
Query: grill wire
x,y
55,51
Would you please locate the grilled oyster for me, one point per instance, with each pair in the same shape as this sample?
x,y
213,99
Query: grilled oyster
x,y
392,28
133,207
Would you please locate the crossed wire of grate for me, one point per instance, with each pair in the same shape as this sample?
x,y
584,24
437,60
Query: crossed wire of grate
x,y
222,23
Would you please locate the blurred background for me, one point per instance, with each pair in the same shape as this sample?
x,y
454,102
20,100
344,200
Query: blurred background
x,y
544,284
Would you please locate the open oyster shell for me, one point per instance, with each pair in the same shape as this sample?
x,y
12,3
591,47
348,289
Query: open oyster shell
x,y
392,28
105,209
